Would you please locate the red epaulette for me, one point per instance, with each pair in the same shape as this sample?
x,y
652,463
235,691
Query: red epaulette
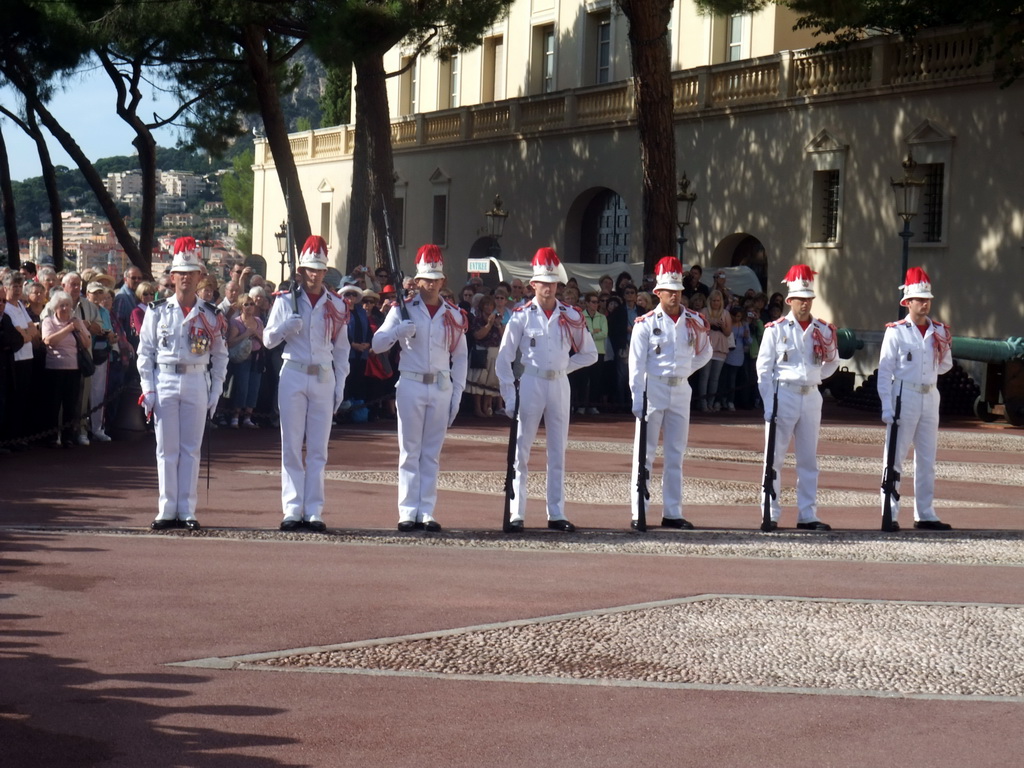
x,y
521,307
280,293
770,323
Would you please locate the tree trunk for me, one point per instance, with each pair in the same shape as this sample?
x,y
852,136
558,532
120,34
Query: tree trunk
x,y
92,178
359,199
652,87
380,159
10,214
52,192
128,100
261,69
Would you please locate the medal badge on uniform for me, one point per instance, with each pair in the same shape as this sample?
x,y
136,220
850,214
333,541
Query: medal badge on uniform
x,y
198,341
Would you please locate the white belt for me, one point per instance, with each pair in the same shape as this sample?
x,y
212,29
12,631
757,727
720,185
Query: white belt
x,y
425,378
800,389
670,381
542,374
181,367
309,370
924,389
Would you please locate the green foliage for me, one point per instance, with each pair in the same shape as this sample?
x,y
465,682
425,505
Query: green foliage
x,y
336,102
236,188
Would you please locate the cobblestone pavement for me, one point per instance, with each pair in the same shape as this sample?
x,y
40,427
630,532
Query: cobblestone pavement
x,y
719,646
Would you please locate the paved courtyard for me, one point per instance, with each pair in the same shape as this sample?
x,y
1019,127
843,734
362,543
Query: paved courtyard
x,y
244,646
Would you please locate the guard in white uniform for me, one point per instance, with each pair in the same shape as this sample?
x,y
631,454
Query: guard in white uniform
x,y
182,361
666,346
915,351
797,353
432,374
312,380
553,341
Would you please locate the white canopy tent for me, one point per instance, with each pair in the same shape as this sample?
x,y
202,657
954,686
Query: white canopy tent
x,y
738,279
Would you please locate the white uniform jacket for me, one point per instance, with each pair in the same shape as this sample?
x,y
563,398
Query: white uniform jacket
x,y
794,356
545,344
323,340
661,347
912,358
169,337
439,345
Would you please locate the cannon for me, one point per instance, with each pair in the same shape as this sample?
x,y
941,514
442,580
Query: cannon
x,y
1004,375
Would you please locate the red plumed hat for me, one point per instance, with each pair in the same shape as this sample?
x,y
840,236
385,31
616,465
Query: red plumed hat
x,y
800,280
546,266
429,262
916,285
314,253
669,274
186,255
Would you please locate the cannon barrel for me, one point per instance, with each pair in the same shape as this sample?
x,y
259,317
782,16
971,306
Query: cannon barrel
x,y
988,350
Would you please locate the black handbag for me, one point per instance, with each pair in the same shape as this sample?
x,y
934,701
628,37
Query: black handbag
x,y
100,350
85,364
478,357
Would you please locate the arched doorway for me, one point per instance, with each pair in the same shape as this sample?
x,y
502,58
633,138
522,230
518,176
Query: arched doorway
x,y
743,250
598,227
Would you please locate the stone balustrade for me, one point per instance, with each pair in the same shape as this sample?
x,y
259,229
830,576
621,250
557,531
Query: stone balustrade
x,y
768,82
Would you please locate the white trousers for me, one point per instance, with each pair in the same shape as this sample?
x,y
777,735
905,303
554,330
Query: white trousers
x,y
668,410
180,414
799,418
919,426
547,399
423,411
305,403
97,394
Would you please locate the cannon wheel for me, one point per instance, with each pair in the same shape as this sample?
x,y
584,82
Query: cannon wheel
x,y
1013,392
982,410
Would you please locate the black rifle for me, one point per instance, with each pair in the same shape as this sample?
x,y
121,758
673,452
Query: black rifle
x,y
291,252
642,475
510,469
890,477
768,483
394,265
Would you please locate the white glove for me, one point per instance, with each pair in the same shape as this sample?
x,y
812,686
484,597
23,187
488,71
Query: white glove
x,y
638,409
148,403
211,404
339,398
887,416
453,409
406,329
767,413
509,397
291,326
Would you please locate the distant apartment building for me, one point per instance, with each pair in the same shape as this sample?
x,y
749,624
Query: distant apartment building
x,y
184,184
180,219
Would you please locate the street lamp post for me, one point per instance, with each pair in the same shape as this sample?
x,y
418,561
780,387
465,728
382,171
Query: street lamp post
x,y
684,207
281,236
206,247
495,226
908,199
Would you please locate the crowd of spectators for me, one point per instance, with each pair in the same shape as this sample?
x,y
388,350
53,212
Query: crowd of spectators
x,y
48,395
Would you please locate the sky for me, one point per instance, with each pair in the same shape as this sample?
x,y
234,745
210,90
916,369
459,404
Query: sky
x,y
85,107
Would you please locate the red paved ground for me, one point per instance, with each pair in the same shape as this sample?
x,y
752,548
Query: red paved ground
x,y
89,623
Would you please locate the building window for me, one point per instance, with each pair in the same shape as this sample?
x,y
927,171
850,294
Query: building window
x,y
325,221
827,156
604,48
826,214
931,202
439,231
448,83
738,37
493,79
407,86
543,78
